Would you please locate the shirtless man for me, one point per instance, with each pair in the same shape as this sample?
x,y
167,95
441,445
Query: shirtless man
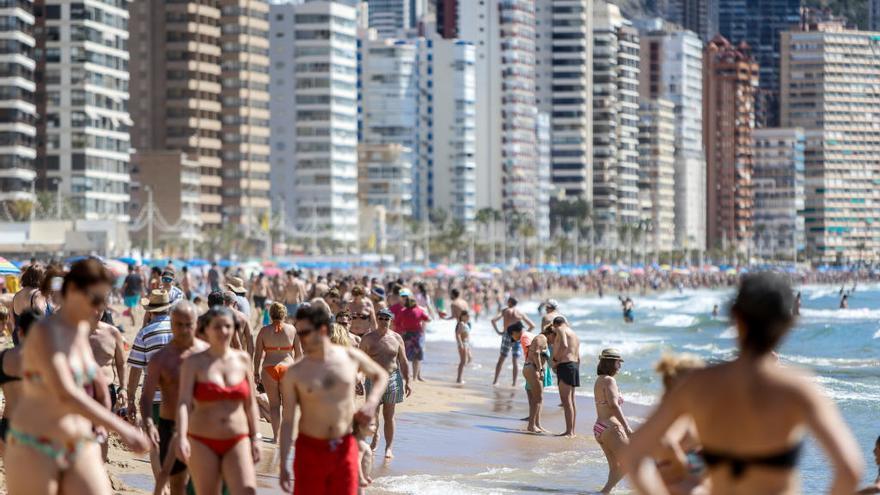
x,y
552,312
294,293
567,361
387,349
362,313
510,315
243,338
108,346
163,371
458,304
323,382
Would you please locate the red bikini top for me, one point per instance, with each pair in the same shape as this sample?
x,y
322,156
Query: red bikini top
x,y
210,391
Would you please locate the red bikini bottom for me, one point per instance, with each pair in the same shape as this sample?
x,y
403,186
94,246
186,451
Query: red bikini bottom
x,y
220,446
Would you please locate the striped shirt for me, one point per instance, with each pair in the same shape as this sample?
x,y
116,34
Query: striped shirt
x,y
150,340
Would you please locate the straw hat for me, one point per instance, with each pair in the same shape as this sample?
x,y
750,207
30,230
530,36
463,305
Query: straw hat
x,y
236,285
158,301
611,353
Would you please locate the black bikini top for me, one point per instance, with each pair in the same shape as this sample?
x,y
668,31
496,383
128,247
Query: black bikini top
x,y
738,464
4,377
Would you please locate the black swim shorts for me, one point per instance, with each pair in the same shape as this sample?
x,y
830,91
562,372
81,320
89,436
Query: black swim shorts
x,y
569,374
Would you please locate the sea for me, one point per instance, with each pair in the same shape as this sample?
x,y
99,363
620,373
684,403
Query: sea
x,y
840,346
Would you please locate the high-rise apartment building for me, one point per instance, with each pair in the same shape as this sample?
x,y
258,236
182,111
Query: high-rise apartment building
x,y
828,80
244,66
657,172
545,189
84,134
565,90
175,65
615,123
730,78
19,113
447,18
672,69
503,33
874,15
314,120
392,18
779,192
698,16
420,93
759,24
385,179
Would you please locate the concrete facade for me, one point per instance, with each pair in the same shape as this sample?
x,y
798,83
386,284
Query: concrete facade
x,y
779,192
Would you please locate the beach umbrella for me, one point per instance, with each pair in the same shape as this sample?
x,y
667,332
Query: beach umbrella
x,y
116,267
623,274
7,268
731,271
638,271
271,271
496,271
606,268
198,262
127,260
665,267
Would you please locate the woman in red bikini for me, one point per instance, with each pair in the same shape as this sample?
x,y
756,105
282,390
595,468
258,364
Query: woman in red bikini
x,y
276,349
217,417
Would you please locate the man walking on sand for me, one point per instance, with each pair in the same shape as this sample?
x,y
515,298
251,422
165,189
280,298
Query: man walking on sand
x,y
567,361
386,348
294,293
322,383
163,371
458,304
510,316
409,322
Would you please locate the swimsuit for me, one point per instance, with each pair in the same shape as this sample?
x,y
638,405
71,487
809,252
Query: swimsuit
x,y
599,426
325,467
395,390
414,343
211,392
276,372
166,433
16,318
569,374
64,455
738,464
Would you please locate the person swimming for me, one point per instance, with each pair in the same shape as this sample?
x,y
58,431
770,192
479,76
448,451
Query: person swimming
x,y
627,306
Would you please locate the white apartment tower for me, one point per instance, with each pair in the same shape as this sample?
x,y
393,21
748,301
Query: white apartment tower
x,y
19,113
829,78
778,181
85,67
314,111
565,90
503,33
672,69
392,18
615,123
657,171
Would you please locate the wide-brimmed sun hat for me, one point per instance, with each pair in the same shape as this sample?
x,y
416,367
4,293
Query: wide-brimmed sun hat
x,y
236,285
551,303
405,293
159,300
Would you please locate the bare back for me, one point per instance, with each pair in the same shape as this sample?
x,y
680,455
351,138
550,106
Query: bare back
x,y
103,341
567,347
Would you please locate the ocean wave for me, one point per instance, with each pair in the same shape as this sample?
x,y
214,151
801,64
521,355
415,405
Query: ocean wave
x,y
709,348
728,333
877,334
842,314
424,484
676,321
826,362
845,390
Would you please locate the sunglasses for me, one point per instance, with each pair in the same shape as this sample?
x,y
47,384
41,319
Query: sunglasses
x,y
384,318
167,280
362,317
303,333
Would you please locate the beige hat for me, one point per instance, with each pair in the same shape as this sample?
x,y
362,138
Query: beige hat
x,y
236,285
158,301
611,353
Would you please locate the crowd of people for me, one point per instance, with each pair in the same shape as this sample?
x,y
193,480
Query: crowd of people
x,y
325,359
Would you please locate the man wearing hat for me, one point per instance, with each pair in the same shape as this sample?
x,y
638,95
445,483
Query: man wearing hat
x,y
149,340
236,285
174,293
377,295
552,307
388,350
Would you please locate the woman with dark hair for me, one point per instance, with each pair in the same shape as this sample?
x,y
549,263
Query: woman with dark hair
x,y
28,297
51,442
276,349
751,414
611,429
217,411
10,371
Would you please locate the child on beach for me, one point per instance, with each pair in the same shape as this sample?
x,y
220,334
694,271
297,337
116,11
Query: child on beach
x,y
365,453
462,333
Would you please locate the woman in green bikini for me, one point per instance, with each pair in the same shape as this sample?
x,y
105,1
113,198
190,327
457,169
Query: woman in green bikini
x,y
52,446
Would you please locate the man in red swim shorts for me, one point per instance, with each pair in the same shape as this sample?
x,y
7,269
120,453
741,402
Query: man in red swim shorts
x,y
322,383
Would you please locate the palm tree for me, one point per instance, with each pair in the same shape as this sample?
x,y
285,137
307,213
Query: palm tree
x,y
484,217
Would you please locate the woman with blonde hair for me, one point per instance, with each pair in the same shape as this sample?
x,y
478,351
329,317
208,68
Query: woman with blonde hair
x,y
678,458
277,347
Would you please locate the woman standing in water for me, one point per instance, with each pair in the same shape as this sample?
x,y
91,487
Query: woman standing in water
x,y
276,349
217,417
51,442
751,414
462,338
611,429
